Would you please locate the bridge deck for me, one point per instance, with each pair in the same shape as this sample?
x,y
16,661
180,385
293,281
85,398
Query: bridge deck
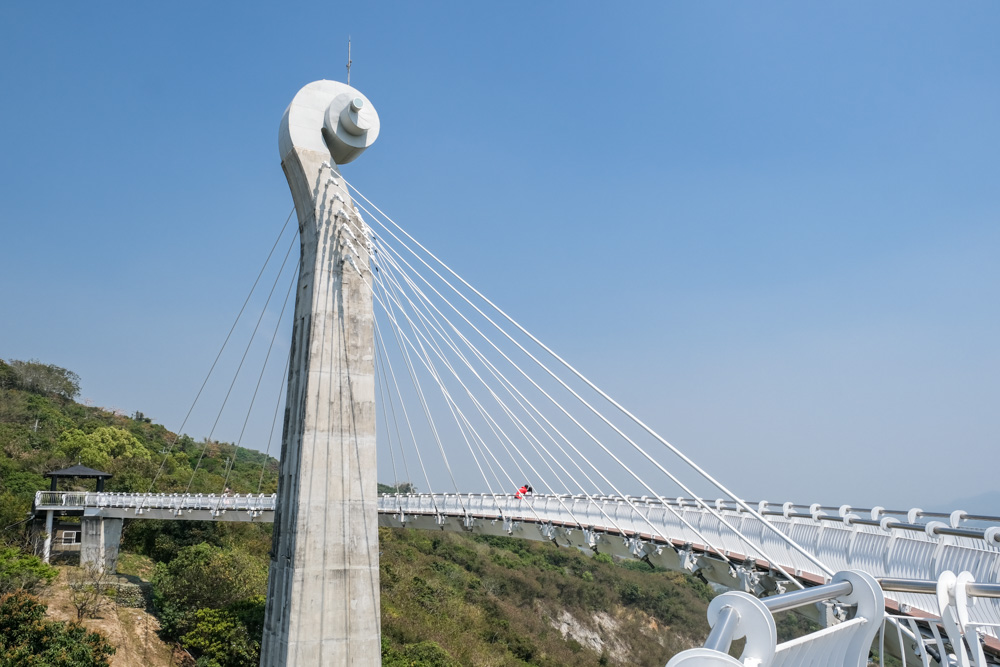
x,y
642,528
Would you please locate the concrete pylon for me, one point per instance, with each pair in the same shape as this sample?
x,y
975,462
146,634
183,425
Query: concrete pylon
x,y
323,587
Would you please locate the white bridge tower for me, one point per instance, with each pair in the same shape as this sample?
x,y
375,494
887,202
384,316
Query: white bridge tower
x,y
323,587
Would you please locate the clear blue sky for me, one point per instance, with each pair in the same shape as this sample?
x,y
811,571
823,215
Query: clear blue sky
x,y
769,228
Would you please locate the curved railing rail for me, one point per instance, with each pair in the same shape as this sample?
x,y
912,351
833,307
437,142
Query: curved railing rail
x,y
141,502
737,615
949,639
644,528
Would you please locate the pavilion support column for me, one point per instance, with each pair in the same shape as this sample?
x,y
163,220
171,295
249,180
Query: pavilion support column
x,y
323,586
47,544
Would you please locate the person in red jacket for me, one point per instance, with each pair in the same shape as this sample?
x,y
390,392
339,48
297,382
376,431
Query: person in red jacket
x,y
523,491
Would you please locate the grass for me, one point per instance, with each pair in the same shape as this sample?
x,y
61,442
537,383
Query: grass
x,y
135,565
451,598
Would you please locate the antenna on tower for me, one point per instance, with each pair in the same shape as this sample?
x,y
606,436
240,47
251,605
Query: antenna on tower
x,y
349,61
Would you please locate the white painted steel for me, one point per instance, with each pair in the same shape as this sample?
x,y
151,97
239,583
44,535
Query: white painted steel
x,y
843,545
889,552
175,506
841,645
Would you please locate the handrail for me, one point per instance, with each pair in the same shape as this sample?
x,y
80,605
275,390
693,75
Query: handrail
x,y
844,514
160,501
736,614
793,599
973,589
721,636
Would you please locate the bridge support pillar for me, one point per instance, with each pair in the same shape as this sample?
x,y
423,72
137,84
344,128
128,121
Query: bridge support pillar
x,y
99,542
323,587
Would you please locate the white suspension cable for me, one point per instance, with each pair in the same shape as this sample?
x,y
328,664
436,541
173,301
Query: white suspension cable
x,y
384,383
274,420
781,535
260,378
236,375
402,404
452,406
218,356
471,395
378,333
634,508
596,440
429,339
478,405
385,420
497,375
697,498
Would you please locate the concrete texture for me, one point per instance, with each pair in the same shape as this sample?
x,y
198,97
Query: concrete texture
x,y
323,588
99,543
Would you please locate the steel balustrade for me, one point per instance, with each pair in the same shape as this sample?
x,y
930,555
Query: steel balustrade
x,y
887,548
736,615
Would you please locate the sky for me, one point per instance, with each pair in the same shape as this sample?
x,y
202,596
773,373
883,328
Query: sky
x,y
770,229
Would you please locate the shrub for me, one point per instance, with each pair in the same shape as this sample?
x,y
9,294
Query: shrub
x,y
26,638
20,571
221,639
204,577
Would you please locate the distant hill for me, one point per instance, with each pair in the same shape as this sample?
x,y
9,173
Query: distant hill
x,y
987,504
43,429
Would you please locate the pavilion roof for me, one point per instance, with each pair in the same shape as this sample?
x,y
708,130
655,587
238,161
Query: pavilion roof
x,y
78,471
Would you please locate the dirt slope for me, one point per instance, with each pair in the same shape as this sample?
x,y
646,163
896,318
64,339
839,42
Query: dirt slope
x,y
133,632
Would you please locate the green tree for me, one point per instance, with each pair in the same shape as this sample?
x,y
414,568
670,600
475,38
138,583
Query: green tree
x,y
8,376
204,577
34,376
221,640
99,448
403,487
20,571
28,640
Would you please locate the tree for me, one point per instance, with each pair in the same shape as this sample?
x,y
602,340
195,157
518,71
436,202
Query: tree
x,y
39,378
222,640
88,587
20,571
402,487
28,640
204,576
99,448
8,376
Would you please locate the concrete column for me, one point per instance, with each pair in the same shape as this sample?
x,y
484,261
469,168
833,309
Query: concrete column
x,y
100,540
323,588
47,544
112,543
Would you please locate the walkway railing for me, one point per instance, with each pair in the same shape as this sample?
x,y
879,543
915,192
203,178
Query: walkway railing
x,y
737,615
645,528
139,503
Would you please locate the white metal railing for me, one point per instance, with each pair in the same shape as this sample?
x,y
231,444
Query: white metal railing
x,y
842,542
737,615
964,637
139,502
912,564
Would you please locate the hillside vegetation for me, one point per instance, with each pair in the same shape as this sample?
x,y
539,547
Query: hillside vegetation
x,y
506,601
446,599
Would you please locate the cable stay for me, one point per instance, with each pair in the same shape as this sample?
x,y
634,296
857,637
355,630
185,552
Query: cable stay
x,y
388,265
